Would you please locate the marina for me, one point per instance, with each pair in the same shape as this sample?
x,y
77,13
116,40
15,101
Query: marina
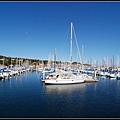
x,y
26,96
45,72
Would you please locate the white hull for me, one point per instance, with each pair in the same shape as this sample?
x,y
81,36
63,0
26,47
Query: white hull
x,y
112,75
63,81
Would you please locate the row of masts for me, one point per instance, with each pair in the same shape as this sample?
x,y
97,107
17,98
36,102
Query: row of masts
x,y
94,63
52,62
105,63
18,62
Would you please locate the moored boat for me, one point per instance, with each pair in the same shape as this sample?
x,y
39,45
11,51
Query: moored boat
x,y
63,78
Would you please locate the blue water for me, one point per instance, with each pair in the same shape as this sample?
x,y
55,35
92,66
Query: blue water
x,y
26,96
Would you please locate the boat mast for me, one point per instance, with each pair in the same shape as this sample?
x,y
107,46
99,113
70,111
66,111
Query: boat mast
x,y
82,55
55,58
71,46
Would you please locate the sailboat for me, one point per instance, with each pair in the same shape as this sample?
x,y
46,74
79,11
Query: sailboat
x,y
65,77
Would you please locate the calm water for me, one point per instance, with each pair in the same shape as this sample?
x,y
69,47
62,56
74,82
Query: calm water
x,y
26,96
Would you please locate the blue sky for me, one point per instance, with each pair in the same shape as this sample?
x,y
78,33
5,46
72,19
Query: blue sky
x,y
34,29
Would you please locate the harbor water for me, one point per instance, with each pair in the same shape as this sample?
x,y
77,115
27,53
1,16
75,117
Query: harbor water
x,y
26,96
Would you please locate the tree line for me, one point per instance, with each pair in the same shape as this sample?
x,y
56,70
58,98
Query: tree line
x,y
7,61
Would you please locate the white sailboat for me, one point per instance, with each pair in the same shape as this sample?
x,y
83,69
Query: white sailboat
x,y
65,77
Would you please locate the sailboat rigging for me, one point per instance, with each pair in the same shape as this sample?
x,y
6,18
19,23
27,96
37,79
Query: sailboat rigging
x,y
65,77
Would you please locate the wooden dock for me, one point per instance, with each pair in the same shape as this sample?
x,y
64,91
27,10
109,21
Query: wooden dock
x,y
91,80
43,80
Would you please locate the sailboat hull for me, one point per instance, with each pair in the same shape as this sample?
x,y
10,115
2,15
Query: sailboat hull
x,y
69,81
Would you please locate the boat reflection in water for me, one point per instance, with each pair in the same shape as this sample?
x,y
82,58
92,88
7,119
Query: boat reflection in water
x,y
64,88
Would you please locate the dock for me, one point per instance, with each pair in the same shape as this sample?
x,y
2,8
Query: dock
x,y
91,80
43,80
